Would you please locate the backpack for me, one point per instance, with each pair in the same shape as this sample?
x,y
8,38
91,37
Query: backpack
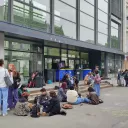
x,y
35,112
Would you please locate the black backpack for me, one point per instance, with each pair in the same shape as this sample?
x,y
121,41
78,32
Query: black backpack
x,y
35,112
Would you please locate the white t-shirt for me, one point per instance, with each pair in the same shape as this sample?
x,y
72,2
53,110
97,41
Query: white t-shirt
x,y
2,75
72,96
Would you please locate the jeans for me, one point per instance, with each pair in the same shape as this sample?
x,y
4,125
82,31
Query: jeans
x,y
12,97
97,89
82,100
3,100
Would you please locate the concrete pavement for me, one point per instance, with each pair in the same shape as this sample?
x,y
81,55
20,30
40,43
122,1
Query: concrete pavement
x,y
113,113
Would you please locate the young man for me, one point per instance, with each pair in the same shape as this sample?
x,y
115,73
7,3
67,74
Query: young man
x,y
73,97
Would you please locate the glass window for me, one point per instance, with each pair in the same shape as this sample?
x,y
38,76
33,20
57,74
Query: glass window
x,y
64,53
51,51
102,39
31,17
65,11
84,56
64,27
102,16
102,27
86,35
42,4
73,54
115,35
103,5
86,20
70,2
90,1
86,7
3,10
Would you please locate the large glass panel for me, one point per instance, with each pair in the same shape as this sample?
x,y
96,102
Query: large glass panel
x,y
86,20
73,54
64,53
102,16
41,4
48,63
64,27
65,11
70,2
51,51
3,10
102,27
90,1
86,7
115,35
103,5
103,39
86,35
31,17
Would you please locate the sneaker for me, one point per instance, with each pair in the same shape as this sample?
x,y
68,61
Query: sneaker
x,y
5,114
8,109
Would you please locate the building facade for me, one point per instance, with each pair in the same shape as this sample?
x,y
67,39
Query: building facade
x,y
37,34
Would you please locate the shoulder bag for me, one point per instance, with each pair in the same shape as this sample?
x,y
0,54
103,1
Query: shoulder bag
x,y
7,80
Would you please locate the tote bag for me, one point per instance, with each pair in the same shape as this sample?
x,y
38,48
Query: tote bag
x,y
7,80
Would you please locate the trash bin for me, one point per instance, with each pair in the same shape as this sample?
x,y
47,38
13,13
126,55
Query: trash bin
x,y
60,74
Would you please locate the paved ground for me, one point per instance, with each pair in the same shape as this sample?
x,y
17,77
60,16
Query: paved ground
x,y
113,113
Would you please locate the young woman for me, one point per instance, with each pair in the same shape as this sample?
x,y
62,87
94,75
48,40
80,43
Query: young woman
x,y
97,81
13,91
62,92
22,107
23,92
3,89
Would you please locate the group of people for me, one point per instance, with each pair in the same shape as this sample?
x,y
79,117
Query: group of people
x,y
9,95
47,104
122,78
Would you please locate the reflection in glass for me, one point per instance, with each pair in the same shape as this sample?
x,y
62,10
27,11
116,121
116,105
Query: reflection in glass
x,y
3,10
51,51
64,27
48,63
102,27
115,35
31,17
86,7
91,1
103,39
70,2
86,20
62,9
102,16
86,35
73,54
103,5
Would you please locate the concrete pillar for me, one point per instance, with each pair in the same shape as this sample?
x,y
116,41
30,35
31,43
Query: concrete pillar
x,y
1,45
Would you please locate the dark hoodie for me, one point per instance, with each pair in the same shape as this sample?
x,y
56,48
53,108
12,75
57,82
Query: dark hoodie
x,y
44,101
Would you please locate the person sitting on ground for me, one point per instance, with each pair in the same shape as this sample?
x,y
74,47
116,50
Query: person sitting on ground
x,y
54,106
35,111
22,107
23,92
44,99
74,98
93,96
62,92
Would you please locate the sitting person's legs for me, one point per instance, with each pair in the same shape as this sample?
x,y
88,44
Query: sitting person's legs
x,y
82,100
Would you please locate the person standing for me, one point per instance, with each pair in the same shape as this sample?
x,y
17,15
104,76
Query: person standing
x,y
4,88
97,81
13,90
126,77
